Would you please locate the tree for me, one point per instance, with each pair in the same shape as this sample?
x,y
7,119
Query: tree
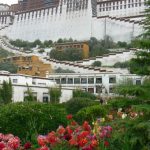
x,y
96,64
7,66
69,54
6,92
147,21
55,94
141,64
29,95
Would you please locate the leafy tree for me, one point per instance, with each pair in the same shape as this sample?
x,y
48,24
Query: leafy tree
x,y
29,97
97,64
7,66
60,70
6,92
69,54
125,64
55,94
141,64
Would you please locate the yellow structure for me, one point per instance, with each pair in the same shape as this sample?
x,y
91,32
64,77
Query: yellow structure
x,y
30,65
79,45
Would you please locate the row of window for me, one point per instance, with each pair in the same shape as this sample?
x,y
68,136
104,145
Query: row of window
x,y
112,3
119,7
69,46
83,80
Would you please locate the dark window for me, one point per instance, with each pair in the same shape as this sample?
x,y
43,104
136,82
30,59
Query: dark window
x,y
99,80
63,81
90,80
112,79
83,80
76,80
111,89
57,81
70,80
138,82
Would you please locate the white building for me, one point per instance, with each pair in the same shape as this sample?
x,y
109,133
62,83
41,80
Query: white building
x,y
96,83
39,86
80,20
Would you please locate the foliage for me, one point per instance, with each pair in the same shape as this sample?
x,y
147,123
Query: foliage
x,y
83,94
68,54
6,92
55,94
27,120
28,45
120,102
4,53
77,103
121,64
7,66
147,21
96,64
141,64
29,95
60,70
98,48
122,44
91,112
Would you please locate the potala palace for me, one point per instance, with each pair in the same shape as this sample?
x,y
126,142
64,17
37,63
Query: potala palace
x,y
76,19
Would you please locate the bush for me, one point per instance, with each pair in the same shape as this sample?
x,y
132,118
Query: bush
x,y
75,104
91,113
26,120
80,93
96,64
123,102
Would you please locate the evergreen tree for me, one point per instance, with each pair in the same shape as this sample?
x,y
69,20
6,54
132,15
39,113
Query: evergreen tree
x,y
6,92
30,97
141,64
147,21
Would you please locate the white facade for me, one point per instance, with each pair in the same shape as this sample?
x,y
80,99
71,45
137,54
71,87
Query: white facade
x,y
79,20
96,83
39,86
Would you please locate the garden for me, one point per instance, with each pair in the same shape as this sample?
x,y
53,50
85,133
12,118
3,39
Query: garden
x,y
79,124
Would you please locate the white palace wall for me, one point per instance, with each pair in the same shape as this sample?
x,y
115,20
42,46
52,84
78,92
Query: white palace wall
x,y
80,24
43,25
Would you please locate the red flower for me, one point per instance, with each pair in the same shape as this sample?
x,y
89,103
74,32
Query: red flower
x,y
2,145
69,130
73,123
52,138
73,142
83,134
42,140
86,126
27,145
94,143
83,142
106,143
69,117
61,130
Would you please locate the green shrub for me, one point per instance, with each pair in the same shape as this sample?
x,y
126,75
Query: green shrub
x,y
80,93
26,120
75,104
91,113
120,102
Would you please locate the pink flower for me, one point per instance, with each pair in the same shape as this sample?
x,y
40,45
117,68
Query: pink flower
x,y
14,143
61,130
42,140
